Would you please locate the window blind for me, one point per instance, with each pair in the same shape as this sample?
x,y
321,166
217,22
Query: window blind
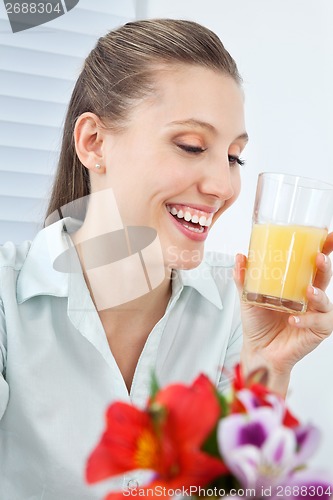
x,y
38,69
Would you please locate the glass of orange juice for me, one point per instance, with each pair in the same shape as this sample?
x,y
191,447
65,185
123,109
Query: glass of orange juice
x,y
291,218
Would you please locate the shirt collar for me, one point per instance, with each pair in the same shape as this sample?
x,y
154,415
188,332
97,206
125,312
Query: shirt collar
x,y
38,276
201,279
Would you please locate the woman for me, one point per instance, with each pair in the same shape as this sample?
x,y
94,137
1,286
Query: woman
x,y
150,154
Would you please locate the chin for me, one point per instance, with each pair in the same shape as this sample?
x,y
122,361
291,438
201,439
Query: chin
x,y
186,259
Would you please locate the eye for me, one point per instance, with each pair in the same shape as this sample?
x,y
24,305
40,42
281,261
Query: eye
x,y
235,159
191,149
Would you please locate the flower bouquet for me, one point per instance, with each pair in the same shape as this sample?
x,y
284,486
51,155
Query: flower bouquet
x,y
193,441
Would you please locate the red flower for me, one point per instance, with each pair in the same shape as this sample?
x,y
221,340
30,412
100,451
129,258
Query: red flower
x,y
165,437
256,382
127,431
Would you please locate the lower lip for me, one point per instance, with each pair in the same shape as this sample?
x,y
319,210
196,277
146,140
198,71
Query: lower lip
x,y
187,232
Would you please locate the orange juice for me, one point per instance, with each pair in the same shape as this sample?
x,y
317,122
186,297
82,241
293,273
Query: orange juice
x,y
281,263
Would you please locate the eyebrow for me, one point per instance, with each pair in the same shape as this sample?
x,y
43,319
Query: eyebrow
x,y
200,124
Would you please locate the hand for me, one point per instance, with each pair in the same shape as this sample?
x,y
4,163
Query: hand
x,y
278,340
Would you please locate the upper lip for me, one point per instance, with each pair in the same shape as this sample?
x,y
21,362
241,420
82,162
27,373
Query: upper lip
x,y
201,208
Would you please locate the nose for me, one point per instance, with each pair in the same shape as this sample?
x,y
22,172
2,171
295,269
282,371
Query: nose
x,y
216,180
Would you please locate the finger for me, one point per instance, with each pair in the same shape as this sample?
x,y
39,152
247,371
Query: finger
x,y
328,245
324,271
319,323
239,271
318,300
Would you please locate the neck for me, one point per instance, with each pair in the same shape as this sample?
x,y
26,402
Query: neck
x,y
142,313
130,287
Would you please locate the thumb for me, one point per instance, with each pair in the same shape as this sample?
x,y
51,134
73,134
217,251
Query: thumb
x,y
239,271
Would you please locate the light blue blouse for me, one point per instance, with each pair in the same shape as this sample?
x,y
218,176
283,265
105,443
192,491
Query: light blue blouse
x,y
59,375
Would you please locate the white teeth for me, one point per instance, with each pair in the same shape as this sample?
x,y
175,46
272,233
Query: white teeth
x,y
209,221
202,220
194,229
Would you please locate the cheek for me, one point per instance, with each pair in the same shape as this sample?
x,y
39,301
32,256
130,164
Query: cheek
x,y
236,186
232,200
169,181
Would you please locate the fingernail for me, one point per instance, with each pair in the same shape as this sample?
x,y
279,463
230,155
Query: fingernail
x,y
296,319
315,290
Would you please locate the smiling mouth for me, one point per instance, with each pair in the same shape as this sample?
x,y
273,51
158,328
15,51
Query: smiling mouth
x,y
192,219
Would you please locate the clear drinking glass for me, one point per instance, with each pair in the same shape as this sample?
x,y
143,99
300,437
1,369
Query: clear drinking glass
x,y
291,218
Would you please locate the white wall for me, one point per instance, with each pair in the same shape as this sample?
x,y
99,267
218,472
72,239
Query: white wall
x,y
284,51
38,70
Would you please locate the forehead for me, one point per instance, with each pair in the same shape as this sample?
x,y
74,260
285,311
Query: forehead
x,y
194,93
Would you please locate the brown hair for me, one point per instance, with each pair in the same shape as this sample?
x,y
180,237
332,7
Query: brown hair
x,y
117,73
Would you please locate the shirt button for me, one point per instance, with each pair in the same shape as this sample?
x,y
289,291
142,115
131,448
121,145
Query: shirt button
x,y
132,484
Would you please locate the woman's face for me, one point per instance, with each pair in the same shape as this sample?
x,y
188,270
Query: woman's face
x,y
175,166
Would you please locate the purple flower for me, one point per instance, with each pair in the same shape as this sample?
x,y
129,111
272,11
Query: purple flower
x,y
307,437
259,450
250,402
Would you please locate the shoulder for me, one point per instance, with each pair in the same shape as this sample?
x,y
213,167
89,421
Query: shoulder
x,y
28,270
12,259
13,256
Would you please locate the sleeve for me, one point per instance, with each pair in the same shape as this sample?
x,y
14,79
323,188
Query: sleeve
x,y
230,323
4,388
11,257
231,359
233,353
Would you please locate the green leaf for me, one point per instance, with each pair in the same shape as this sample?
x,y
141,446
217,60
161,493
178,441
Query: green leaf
x,y
224,404
210,444
154,385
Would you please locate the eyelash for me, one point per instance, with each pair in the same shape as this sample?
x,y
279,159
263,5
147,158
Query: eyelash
x,y
191,149
236,159
197,149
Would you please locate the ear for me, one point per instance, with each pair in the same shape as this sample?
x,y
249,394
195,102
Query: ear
x,y
88,136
